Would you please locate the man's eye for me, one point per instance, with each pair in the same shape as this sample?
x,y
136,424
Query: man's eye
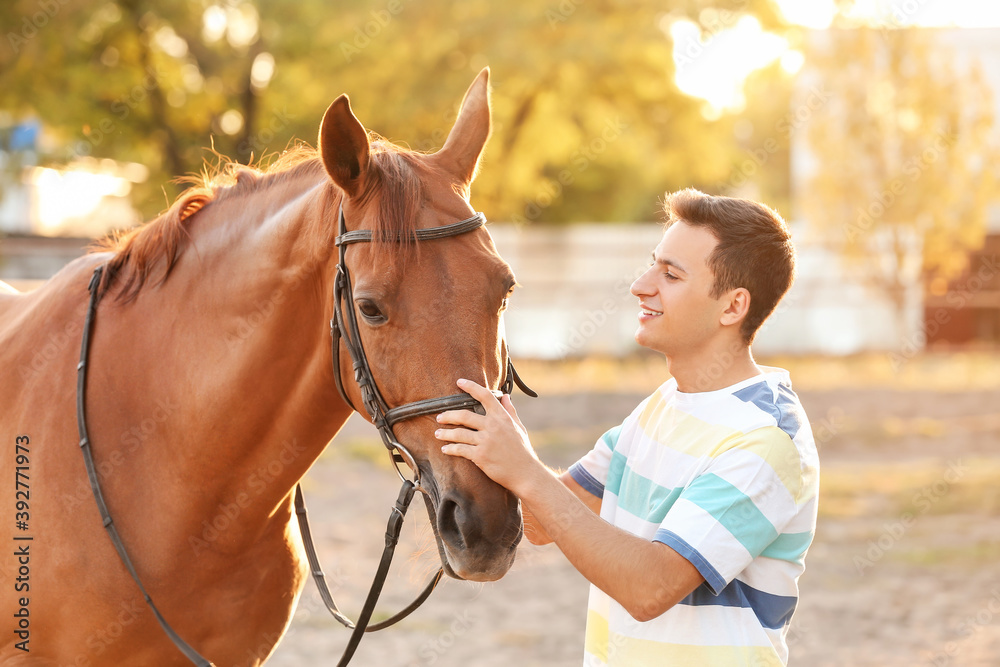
x,y
670,276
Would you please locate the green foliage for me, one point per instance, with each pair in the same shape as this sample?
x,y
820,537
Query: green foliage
x,y
588,122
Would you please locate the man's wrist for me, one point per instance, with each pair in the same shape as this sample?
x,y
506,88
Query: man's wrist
x,y
531,484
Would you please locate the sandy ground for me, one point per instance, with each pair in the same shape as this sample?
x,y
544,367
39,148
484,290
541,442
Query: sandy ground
x,y
905,569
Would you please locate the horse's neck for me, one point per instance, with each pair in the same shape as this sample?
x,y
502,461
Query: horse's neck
x,y
243,365
268,234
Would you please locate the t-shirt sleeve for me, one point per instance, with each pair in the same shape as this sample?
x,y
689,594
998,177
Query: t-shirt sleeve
x,y
737,507
591,471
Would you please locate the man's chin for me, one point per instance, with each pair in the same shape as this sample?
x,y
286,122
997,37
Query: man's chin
x,y
644,338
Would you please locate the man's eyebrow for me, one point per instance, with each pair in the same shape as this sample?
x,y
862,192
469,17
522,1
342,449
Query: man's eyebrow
x,y
666,261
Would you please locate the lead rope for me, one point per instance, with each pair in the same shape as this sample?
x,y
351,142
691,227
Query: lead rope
x,y
95,485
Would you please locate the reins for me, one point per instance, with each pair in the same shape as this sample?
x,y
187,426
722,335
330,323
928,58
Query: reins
x,y
343,329
95,484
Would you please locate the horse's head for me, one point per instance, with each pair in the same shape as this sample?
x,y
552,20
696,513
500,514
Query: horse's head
x,y
428,312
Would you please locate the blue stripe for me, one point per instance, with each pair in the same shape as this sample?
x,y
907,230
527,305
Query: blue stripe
x,y
773,611
789,547
781,404
616,472
586,480
734,510
712,577
645,498
610,437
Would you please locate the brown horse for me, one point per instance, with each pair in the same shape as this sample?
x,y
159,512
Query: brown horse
x,y
211,393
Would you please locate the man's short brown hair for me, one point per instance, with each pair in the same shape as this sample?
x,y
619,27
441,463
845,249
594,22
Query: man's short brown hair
x,y
754,252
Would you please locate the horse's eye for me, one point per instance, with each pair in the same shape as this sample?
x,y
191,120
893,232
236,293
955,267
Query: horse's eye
x,y
506,300
370,311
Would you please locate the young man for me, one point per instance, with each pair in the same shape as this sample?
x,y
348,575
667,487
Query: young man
x,y
692,518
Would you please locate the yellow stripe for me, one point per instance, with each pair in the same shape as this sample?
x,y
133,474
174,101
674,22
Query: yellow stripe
x,y
683,432
596,641
779,451
694,437
617,650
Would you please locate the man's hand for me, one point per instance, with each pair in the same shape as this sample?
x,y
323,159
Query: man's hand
x,y
646,578
496,442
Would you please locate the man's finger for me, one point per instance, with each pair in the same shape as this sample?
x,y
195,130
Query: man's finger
x,y
508,405
458,435
457,449
466,418
480,393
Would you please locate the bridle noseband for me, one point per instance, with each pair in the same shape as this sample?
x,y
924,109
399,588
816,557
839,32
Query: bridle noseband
x,y
343,327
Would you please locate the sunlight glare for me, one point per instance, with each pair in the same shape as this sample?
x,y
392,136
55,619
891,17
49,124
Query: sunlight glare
x,y
809,13
792,61
65,195
213,23
242,25
714,66
926,13
231,121
262,70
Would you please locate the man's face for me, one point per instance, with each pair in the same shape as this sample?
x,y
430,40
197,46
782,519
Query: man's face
x,y
677,313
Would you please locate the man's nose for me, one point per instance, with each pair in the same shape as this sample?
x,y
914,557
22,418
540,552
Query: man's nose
x,y
640,286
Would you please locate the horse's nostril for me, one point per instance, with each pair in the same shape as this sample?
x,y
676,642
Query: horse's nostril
x,y
449,515
456,526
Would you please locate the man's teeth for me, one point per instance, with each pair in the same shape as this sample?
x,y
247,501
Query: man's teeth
x,y
646,311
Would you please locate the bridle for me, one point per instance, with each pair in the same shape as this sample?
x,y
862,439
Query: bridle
x,y
343,329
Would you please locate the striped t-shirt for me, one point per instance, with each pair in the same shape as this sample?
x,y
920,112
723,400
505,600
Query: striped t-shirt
x,y
729,480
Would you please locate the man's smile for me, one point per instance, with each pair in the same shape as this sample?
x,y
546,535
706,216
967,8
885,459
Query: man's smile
x,y
646,313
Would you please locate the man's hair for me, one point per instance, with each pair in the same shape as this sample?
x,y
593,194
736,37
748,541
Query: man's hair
x,y
755,250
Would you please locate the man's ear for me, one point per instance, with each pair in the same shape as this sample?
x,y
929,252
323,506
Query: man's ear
x,y
737,305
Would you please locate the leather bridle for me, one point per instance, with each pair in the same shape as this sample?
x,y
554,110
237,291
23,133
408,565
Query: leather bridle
x,y
343,328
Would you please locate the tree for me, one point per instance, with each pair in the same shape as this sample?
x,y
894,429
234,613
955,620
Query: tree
x,y
903,151
134,80
589,125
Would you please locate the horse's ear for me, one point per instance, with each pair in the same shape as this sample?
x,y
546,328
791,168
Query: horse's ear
x,y
467,139
343,144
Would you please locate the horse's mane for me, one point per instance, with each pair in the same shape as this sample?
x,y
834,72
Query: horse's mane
x,y
139,251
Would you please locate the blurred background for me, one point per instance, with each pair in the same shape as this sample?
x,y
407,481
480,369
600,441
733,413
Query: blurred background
x,y
870,125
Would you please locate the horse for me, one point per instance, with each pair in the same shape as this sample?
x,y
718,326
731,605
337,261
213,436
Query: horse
x,y
212,392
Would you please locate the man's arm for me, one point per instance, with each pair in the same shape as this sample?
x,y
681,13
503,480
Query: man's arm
x,y
533,529
646,578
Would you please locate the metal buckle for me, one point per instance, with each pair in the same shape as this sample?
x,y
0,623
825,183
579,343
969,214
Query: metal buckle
x,y
399,454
